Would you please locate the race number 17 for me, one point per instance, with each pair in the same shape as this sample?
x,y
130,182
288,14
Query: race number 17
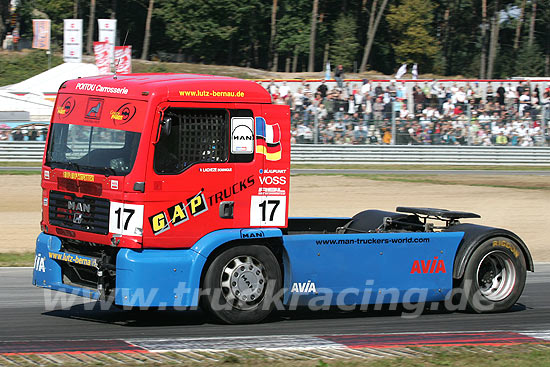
x,y
267,210
125,219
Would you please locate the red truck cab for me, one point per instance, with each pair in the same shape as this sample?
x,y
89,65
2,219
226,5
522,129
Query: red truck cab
x,y
158,161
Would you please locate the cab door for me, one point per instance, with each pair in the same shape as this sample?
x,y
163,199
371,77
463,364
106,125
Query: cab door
x,y
202,172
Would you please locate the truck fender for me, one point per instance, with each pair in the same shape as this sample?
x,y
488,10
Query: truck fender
x,y
475,235
216,242
212,241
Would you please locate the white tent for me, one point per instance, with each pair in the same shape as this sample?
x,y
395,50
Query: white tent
x,y
49,81
36,95
38,108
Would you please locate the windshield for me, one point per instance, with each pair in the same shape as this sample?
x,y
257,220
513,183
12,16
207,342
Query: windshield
x,y
92,149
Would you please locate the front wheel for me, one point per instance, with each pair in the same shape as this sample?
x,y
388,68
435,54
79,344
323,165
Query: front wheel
x,y
240,284
495,275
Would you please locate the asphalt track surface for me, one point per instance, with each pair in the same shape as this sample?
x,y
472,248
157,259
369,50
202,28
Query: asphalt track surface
x,y
24,317
345,171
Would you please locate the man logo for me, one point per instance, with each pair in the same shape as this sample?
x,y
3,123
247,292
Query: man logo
x,y
77,218
242,135
81,207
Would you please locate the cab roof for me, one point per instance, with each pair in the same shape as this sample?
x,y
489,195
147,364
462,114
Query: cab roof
x,y
174,87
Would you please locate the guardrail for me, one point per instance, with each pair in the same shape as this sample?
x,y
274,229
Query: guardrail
x,y
21,151
420,155
32,151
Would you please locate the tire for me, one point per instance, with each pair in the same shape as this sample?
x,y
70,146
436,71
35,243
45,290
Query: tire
x,y
240,283
494,277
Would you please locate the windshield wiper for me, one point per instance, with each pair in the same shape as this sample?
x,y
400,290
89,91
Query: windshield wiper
x,y
73,166
109,171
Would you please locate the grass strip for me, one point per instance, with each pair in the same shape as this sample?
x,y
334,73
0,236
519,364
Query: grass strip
x,y
472,181
20,164
19,172
525,355
17,259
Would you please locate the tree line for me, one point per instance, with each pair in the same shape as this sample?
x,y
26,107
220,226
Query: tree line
x,y
472,38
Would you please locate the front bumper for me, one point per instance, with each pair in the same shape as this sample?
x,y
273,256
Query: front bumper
x,y
144,278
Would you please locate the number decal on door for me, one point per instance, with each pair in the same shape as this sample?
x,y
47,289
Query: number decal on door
x,y
268,211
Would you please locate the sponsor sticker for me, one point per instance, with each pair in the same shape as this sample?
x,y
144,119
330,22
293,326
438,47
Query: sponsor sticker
x,y
94,108
271,191
39,263
431,266
215,169
178,214
92,87
72,258
242,135
123,114
305,287
79,176
66,107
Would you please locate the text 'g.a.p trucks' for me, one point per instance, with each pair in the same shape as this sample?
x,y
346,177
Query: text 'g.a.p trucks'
x,y
173,191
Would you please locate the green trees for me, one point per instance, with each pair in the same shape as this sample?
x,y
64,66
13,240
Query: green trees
x,y
530,61
410,24
474,38
220,31
344,47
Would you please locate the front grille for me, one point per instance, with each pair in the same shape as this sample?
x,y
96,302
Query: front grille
x,y
87,213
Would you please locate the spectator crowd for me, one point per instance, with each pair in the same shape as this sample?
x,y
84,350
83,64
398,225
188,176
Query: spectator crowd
x,y
454,113
28,132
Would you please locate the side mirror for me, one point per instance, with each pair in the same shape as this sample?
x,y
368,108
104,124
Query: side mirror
x,y
166,128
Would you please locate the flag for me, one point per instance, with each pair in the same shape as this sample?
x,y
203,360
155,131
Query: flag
x,y
102,57
107,33
41,34
415,71
72,40
268,139
123,59
402,71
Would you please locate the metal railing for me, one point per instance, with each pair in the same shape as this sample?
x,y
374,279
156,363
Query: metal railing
x,y
17,151
420,155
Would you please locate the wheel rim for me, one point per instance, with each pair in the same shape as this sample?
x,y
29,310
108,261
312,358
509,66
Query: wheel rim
x,y
496,276
243,281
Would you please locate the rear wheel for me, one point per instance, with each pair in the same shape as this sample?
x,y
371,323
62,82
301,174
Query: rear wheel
x,y
495,275
240,283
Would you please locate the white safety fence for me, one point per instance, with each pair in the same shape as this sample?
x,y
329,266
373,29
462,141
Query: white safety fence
x,y
420,155
32,151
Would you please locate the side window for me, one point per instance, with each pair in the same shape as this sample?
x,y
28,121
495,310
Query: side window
x,y
196,136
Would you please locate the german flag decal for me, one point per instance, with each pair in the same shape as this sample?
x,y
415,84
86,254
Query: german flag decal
x,y
268,139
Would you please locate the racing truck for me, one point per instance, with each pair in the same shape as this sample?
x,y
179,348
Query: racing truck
x,y
172,190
